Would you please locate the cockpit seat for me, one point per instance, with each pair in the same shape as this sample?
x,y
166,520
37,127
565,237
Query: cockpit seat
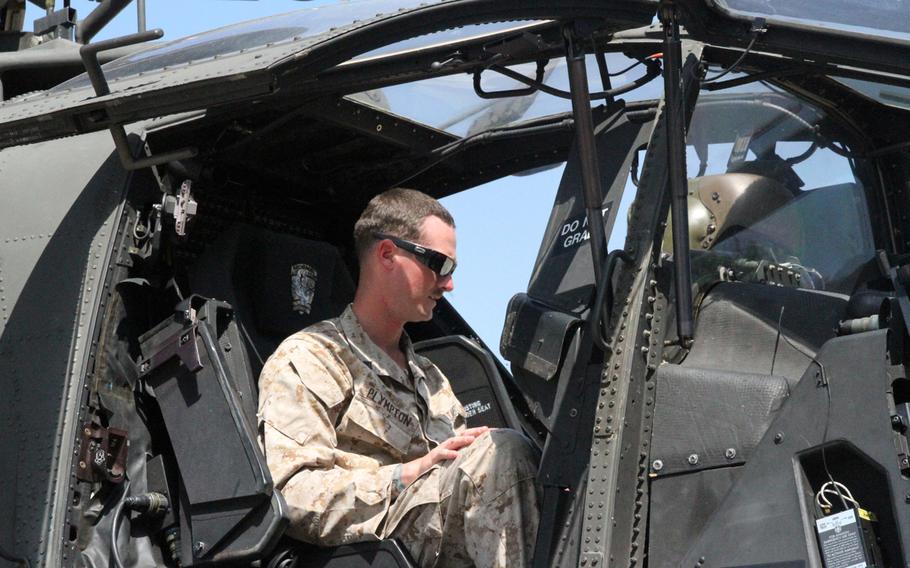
x,y
277,284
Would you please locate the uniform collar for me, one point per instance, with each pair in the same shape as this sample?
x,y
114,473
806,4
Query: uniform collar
x,y
373,356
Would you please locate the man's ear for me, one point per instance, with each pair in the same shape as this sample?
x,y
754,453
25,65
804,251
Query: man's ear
x,y
384,253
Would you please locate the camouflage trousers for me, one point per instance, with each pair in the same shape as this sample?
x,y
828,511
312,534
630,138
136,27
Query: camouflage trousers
x,y
486,512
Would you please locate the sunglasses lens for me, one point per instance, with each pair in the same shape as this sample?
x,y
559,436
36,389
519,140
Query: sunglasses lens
x,y
447,268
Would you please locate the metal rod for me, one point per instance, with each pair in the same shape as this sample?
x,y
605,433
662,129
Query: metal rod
x,y
604,70
676,157
140,14
587,150
98,18
89,54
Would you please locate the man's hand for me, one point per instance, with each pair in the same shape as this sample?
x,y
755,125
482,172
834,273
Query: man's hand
x,y
447,450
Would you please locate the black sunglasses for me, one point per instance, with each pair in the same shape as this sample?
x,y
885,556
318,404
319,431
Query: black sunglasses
x,y
439,263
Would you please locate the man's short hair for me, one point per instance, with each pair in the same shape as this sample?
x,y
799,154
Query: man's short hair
x,y
397,212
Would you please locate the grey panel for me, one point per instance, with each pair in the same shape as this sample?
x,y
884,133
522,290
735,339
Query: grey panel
x,y
705,419
767,512
56,205
738,322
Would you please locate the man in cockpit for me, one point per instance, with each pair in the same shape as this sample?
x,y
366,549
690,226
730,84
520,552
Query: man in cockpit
x,y
365,438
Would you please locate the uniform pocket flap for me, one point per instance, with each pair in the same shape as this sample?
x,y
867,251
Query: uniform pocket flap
x,y
372,423
320,379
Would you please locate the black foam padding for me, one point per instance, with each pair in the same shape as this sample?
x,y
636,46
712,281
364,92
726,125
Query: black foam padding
x,y
737,328
717,416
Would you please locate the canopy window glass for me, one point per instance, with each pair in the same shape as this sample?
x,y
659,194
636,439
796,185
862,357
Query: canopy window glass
x,y
886,94
774,195
450,103
890,18
302,24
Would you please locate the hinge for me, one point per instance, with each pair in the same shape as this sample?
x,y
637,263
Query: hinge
x,y
102,454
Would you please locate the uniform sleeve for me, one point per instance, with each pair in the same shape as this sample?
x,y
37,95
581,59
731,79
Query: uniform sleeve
x,y
302,392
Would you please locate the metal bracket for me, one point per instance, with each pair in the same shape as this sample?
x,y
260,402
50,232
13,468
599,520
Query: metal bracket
x,y
181,344
89,54
102,454
182,207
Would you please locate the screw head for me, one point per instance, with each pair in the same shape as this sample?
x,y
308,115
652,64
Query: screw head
x,y
779,437
693,459
573,413
657,465
730,453
199,548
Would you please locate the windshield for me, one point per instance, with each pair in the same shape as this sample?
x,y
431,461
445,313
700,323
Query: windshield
x,y
774,196
889,18
300,24
450,103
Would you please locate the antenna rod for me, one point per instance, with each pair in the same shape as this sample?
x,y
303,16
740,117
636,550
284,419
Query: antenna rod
x,y
140,13
676,157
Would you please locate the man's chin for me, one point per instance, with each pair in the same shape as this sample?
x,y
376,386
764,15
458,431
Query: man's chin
x,y
426,311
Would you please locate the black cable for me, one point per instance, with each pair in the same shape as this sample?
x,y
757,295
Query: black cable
x,y
654,69
115,526
627,69
735,63
823,381
780,321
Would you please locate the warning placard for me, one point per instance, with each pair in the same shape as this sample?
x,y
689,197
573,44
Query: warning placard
x,y
840,540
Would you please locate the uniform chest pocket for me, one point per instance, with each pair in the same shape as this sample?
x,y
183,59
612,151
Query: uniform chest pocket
x,y
371,423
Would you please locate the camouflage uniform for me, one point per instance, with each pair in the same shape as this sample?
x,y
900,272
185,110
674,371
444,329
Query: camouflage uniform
x,y
338,416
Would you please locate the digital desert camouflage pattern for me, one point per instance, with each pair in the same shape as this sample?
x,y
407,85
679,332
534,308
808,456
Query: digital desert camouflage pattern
x,y
337,416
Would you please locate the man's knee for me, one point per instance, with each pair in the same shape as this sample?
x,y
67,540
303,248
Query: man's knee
x,y
502,450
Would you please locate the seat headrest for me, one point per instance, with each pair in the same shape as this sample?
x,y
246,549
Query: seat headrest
x,y
277,283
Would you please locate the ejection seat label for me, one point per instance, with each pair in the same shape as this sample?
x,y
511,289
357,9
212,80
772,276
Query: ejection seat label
x,y
475,408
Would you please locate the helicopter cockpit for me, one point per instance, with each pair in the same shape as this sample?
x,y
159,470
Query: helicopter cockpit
x,y
724,244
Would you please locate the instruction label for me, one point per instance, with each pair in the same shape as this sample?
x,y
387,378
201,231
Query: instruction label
x,y
841,544
476,407
574,231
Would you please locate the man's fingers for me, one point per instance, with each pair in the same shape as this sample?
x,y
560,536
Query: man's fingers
x,y
445,454
476,432
458,442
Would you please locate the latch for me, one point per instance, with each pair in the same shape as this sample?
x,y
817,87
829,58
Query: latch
x,y
181,206
102,454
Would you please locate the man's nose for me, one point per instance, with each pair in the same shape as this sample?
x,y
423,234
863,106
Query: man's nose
x,y
446,283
